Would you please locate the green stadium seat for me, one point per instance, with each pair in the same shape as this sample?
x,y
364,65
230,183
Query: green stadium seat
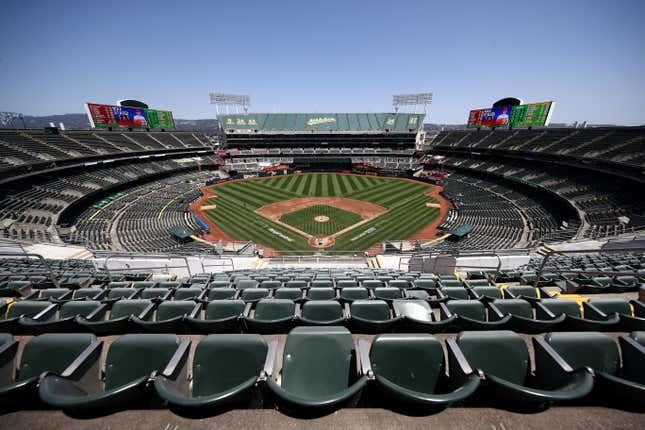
x,y
289,294
425,284
453,293
131,361
66,322
602,309
486,293
322,312
349,294
321,294
51,294
599,352
503,359
372,284
250,295
190,293
409,370
72,355
271,316
155,293
225,370
89,293
525,292
416,315
521,316
219,316
388,293
469,315
318,370
221,293
114,294
299,283
25,311
371,316
547,309
243,284
120,319
170,316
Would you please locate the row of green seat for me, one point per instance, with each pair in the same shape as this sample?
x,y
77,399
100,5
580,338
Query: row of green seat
x,y
279,315
320,372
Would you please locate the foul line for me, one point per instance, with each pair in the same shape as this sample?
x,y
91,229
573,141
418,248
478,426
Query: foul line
x,y
166,206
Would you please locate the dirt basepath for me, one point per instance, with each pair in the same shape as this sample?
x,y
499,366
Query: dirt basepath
x,y
430,230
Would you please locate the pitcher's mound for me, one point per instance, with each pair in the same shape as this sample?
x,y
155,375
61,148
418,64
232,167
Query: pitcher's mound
x,y
321,218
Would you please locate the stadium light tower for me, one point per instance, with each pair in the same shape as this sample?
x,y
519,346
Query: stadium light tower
x,y
416,101
226,101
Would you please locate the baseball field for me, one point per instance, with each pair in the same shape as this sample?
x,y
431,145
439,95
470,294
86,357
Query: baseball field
x,y
317,212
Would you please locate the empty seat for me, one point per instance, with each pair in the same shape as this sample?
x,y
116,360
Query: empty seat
x,y
131,360
221,293
271,316
349,294
254,294
320,294
600,352
469,315
550,308
521,316
56,353
89,293
122,293
371,316
289,293
243,284
318,370
219,316
34,310
503,358
409,369
119,320
155,293
189,293
453,293
602,309
522,292
388,293
486,293
416,315
225,370
322,312
66,322
169,317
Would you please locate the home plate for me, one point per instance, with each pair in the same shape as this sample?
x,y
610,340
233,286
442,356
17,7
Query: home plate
x,y
433,205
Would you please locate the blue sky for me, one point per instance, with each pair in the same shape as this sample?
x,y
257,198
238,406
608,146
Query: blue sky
x,y
291,56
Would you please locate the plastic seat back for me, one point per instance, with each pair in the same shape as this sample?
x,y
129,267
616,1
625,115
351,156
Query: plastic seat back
x,y
412,361
346,283
472,309
243,284
371,310
87,293
79,308
425,284
457,293
53,352
187,293
126,308
562,306
153,293
580,349
492,292
610,306
296,283
354,293
318,361
120,293
274,309
223,361
27,308
517,307
321,283
399,283
133,356
321,294
500,353
172,308
221,293
388,293
522,290
53,293
415,309
288,293
373,283
220,309
322,310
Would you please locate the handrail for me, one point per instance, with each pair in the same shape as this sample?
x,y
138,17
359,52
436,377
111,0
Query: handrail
x,y
50,272
153,257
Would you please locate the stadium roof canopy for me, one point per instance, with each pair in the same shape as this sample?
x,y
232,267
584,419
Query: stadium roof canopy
x,y
322,122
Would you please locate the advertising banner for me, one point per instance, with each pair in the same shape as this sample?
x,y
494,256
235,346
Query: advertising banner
x,y
105,116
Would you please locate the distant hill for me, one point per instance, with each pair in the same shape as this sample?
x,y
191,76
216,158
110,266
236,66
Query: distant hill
x,y
75,121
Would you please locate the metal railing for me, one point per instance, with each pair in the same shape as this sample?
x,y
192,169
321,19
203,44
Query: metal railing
x,y
49,272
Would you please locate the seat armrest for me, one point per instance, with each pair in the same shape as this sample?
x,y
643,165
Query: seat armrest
x,y
177,364
269,363
495,313
85,369
542,313
348,314
247,310
444,311
551,370
8,361
460,369
47,313
196,310
147,312
639,308
98,313
593,313
298,310
364,353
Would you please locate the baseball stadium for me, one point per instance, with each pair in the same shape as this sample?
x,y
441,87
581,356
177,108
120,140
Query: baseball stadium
x,y
306,269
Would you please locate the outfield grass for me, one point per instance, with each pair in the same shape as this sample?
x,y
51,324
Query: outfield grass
x,y
304,219
406,201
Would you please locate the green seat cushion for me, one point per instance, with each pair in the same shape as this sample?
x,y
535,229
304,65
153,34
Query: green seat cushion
x,y
562,306
172,308
220,309
500,353
126,308
27,308
580,349
78,308
412,361
53,352
472,309
274,309
371,310
517,307
322,310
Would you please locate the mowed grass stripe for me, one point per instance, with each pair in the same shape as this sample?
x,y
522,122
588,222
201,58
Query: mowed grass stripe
x,y
345,185
256,193
336,185
274,193
374,192
250,226
324,188
313,186
296,184
305,185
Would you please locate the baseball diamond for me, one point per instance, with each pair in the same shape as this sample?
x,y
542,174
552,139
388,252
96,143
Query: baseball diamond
x,y
362,210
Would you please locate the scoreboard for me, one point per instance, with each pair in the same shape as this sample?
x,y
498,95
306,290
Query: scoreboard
x,y
528,115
